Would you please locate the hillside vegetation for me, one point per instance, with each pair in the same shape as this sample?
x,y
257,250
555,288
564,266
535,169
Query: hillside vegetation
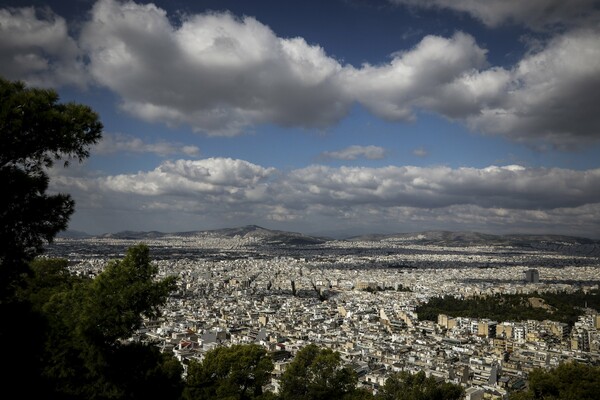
x,y
562,306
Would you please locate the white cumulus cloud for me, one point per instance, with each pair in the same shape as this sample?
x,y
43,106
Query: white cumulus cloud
x,y
500,198
115,143
420,152
512,187
552,94
35,47
536,14
215,72
222,75
414,77
232,180
355,152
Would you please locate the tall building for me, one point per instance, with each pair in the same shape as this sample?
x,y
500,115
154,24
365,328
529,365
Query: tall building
x,y
487,328
505,330
446,321
531,275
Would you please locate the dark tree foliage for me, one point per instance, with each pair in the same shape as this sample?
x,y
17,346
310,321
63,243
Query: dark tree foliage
x,y
406,386
143,372
28,218
570,381
360,394
565,307
114,303
236,372
316,374
35,131
48,277
85,355
63,335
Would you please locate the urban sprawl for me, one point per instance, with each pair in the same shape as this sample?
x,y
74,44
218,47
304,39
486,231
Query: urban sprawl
x,y
359,297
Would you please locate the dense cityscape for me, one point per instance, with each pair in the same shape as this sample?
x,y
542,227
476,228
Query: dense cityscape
x,y
360,297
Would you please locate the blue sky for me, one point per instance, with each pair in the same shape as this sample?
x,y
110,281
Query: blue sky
x,y
331,117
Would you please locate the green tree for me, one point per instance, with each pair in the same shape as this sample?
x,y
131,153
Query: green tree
x,y
406,386
236,372
566,306
569,381
35,131
316,374
63,335
47,277
360,394
85,353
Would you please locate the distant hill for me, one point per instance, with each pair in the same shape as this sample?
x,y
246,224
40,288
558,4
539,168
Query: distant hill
x,y
559,243
248,231
466,237
435,237
133,235
269,235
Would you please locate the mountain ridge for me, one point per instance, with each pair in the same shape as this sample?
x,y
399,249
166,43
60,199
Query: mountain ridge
x,y
439,237
246,231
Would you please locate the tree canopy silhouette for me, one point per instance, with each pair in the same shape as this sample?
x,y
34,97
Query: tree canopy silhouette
x,y
35,132
406,386
236,372
317,373
567,381
85,353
